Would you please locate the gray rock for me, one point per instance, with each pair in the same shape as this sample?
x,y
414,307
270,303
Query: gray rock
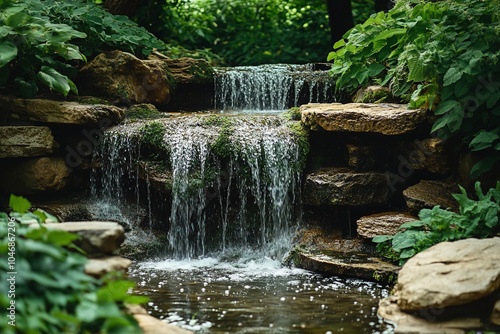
x,y
372,94
34,176
187,70
386,223
427,194
387,119
123,77
100,267
61,112
495,314
449,274
26,141
96,238
341,186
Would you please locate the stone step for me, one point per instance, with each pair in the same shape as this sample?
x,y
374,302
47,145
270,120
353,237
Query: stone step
x,y
26,141
102,266
345,187
386,119
385,223
427,194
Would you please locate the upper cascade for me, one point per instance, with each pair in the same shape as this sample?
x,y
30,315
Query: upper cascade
x,y
271,87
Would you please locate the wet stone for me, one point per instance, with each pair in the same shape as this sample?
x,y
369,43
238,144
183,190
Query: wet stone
x,y
386,223
427,194
26,141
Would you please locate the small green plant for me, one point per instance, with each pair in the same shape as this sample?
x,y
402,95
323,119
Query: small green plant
x,y
152,138
222,145
475,219
49,291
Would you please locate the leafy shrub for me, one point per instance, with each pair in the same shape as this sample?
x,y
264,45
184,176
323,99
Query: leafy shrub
x,y
44,42
441,55
476,219
52,292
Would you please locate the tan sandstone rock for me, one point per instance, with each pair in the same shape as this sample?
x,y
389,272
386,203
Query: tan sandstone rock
x,y
341,186
102,266
386,223
26,141
387,119
450,274
61,112
125,78
427,194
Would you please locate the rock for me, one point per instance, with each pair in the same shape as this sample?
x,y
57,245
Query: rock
x,y
34,176
362,157
151,325
372,94
61,112
386,223
427,324
495,314
429,154
100,267
427,194
187,70
143,111
26,141
351,264
449,274
341,186
122,76
387,119
96,238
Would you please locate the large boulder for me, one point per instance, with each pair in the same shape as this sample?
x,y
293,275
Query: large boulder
x,y
386,119
427,193
34,176
127,79
26,141
61,112
450,274
103,266
386,223
341,186
187,70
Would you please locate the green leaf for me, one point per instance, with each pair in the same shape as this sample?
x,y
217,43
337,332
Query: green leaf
x,y
339,44
452,75
409,225
446,106
27,89
483,140
18,19
375,69
483,166
54,80
19,204
8,52
382,238
389,33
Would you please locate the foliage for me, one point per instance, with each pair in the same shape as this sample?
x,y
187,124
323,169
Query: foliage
x,y
440,55
476,219
52,292
243,32
42,43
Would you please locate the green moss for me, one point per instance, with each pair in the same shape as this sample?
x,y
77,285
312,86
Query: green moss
x,y
385,251
293,114
222,146
152,139
202,71
91,100
143,111
301,134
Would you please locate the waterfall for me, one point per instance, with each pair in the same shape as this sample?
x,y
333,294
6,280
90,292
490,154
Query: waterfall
x,y
234,181
271,87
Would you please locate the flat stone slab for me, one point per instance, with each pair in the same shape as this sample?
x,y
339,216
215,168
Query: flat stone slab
x,y
350,264
386,223
62,112
427,194
102,266
96,238
341,186
386,119
450,274
26,141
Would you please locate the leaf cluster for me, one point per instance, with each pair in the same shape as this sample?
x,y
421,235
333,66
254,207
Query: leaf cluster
x,y
43,43
475,219
52,292
441,55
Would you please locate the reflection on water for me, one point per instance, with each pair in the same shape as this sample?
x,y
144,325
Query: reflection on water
x,y
257,296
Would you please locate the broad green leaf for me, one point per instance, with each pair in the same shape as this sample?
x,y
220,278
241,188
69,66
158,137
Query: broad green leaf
x,y
375,69
382,238
19,204
8,52
61,238
54,80
446,106
18,19
339,44
417,223
483,140
452,75
27,89
389,33
483,166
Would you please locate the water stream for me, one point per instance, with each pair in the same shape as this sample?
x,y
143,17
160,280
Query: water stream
x,y
225,193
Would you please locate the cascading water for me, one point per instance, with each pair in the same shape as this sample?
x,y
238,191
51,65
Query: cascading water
x,y
271,87
234,181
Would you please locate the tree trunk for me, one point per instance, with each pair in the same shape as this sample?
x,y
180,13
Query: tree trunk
x,y
340,17
121,7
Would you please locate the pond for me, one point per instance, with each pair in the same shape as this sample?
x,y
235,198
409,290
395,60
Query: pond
x,y
248,295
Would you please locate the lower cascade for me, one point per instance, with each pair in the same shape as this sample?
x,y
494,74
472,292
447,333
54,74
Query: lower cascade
x,y
229,183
